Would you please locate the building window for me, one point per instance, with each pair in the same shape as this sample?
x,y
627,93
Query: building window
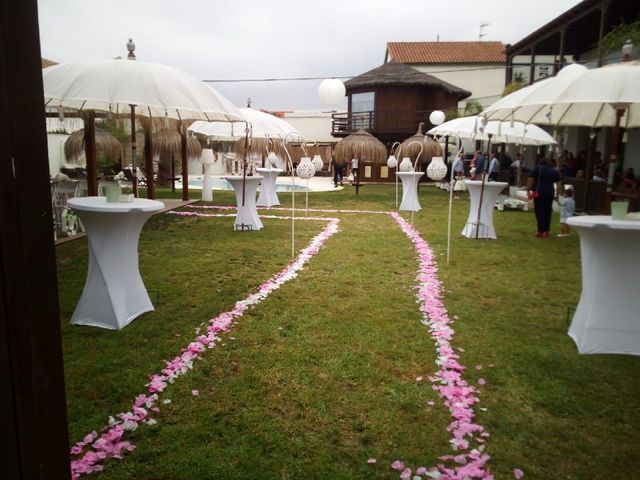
x,y
362,107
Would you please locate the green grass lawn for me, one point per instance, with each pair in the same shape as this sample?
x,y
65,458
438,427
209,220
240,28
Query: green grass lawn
x,y
322,375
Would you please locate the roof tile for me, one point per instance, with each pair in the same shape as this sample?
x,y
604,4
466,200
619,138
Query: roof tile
x,y
447,52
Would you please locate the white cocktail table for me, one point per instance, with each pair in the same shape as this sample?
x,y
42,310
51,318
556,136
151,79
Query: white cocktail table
x,y
268,196
113,293
607,319
247,217
481,226
410,200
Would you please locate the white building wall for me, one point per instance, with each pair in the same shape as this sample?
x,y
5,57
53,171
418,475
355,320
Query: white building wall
x,y
313,126
484,81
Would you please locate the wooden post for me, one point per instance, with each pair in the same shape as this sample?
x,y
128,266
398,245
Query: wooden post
x,y
532,65
34,439
148,161
90,152
603,17
133,151
613,159
185,163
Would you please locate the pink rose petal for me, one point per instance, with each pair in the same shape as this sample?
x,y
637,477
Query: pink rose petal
x,y
372,460
195,393
518,474
482,381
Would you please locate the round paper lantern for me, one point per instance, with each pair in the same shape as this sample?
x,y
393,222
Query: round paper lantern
x,y
305,168
436,169
318,164
331,91
436,117
406,165
392,161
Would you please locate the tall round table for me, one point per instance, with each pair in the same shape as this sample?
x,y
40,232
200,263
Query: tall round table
x,y
481,227
247,217
410,200
113,294
607,319
268,196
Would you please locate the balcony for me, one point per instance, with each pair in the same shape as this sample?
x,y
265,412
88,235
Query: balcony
x,y
401,123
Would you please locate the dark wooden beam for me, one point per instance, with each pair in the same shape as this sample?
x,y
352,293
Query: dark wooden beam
x,y
185,163
33,420
148,161
90,152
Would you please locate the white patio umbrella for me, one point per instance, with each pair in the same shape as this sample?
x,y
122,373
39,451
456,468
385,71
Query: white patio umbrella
x,y
131,88
262,125
473,127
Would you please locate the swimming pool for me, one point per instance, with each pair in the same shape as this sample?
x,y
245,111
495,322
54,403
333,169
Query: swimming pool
x,y
222,184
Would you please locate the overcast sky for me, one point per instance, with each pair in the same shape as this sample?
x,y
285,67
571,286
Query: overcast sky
x,y
254,39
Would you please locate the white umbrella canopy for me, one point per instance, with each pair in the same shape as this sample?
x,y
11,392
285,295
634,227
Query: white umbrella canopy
x,y
518,106
155,90
501,132
261,124
576,96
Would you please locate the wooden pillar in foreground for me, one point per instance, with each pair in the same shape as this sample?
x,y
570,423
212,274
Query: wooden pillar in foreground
x,y
185,162
90,152
148,160
33,420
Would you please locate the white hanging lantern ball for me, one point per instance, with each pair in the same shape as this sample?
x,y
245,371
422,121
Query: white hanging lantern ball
x,y
318,164
206,158
406,165
437,169
331,91
392,161
272,158
436,117
305,168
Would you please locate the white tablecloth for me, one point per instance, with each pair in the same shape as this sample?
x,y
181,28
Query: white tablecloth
x,y
113,293
484,225
247,217
410,200
607,319
268,196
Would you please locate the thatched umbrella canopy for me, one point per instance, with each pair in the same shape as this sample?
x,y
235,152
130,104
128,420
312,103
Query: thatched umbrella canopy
x,y
106,145
260,146
361,145
167,141
430,148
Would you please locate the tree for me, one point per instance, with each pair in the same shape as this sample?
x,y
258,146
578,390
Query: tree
x,y
472,107
516,84
615,39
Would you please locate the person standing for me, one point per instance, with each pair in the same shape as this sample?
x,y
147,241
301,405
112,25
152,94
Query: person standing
x,y
494,169
517,167
567,209
541,186
480,163
458,175
337,172
354,168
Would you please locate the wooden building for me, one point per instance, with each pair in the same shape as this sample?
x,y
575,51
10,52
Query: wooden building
x,y
390,101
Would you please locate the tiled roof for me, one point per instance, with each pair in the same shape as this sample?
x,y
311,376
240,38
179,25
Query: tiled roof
x,y
447,52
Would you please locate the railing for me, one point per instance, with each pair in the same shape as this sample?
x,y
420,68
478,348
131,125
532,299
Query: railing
x,y
387,121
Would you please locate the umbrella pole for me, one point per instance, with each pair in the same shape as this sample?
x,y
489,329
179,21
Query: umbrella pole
x,y
90,151
185,163
134,186
306,198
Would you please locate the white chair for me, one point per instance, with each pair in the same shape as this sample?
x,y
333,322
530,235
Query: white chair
x,y
62,191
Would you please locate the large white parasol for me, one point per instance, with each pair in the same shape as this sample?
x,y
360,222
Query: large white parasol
x,y
476,128
261,124
131,88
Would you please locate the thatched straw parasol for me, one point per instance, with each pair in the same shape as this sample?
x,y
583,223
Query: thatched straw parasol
x,y
167,141
430,148
260,146
361,145
106,144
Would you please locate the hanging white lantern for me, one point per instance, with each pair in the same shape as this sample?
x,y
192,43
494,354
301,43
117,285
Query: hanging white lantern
x,y
406,165
318,164
436,117
331,91
272,159
392,161
305,168
437,169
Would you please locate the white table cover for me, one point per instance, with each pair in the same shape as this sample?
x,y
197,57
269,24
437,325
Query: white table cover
x,y
247,214
485,228
268,196
410,200
607,319
113,294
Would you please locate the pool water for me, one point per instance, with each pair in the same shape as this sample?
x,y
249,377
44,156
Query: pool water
x,y
222,184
